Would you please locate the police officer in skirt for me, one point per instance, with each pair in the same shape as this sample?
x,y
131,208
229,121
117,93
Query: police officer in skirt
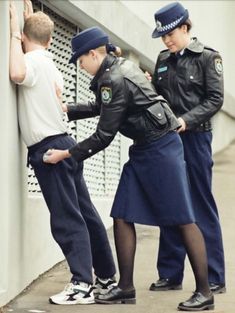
x,y
153,188
189,75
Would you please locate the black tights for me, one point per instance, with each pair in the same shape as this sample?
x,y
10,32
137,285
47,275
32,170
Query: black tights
x,y
125,242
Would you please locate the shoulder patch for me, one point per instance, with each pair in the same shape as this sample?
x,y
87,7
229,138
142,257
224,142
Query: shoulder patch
x,y
106,94
218,66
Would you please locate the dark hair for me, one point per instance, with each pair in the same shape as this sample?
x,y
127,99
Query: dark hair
x,y
188,23
110,48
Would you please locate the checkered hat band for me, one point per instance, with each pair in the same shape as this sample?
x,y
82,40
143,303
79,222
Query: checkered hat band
x,y
168,26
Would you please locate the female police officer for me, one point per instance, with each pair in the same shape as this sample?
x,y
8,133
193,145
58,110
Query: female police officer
x,y
189,75
153,188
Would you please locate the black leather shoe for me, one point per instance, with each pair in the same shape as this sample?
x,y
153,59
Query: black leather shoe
x,y
164,284
117,295
197,303
217,288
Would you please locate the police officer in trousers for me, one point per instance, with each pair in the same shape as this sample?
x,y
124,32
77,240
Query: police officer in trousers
x,y
190,76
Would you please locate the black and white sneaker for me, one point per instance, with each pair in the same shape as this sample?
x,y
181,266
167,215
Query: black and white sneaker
x,y
102,286
79,293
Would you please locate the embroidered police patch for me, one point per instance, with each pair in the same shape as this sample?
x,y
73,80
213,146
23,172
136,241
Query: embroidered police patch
x,y
106,94
218,66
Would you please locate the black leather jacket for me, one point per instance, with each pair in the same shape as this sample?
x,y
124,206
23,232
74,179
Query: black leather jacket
x,y
192,83
123,95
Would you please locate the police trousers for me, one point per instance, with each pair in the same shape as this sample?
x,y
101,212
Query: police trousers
x,y
75,224
171,254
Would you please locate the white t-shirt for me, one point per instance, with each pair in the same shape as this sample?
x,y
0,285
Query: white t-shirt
x,y
40,113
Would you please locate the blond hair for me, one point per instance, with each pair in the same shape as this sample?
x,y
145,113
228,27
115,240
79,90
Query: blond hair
x,y
38,28
115,50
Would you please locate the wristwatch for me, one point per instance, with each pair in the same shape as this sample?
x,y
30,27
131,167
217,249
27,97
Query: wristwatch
x,y
16,35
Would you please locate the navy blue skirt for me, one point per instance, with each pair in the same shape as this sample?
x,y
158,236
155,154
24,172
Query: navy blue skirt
x,y
154,186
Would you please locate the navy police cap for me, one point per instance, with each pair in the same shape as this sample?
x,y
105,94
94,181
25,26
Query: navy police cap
x,y
88,39
168,18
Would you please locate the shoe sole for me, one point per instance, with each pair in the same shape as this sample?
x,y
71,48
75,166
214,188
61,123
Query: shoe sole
x,y
174,287
206,307
119,301
72,302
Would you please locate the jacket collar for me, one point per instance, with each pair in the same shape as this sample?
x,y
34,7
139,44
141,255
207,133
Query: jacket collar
x,y
107,62
195,46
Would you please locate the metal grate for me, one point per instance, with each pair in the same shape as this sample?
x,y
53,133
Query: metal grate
x,y
102,171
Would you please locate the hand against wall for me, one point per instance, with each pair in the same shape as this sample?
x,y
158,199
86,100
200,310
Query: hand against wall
x,y
14,20
28,9
17,66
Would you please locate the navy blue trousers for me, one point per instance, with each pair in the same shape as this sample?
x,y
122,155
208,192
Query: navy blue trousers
x,y
75,224
171,254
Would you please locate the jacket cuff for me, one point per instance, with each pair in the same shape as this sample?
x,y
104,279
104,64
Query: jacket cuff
x,y
80,154
72,112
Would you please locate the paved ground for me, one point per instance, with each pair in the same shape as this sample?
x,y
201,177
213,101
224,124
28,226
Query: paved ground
x,y
35,298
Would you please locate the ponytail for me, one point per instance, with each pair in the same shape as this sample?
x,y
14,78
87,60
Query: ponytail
x,y
110,48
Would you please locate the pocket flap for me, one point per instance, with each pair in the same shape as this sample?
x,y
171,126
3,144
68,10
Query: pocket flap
x,y
158,112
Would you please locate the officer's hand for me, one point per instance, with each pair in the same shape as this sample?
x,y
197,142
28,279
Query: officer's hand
x,y
54,156
183,125
148,76
59,96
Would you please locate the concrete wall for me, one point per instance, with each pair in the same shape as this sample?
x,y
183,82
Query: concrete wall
x,y
9,166
26,246
24,226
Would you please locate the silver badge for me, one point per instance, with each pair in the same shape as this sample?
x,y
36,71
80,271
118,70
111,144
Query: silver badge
x,y
158,25
218,66
106,94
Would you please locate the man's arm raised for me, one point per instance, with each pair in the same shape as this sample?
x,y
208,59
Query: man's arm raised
x,y
17,63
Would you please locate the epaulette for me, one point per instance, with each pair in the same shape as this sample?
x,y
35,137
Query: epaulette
x,y
209,48
164,54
